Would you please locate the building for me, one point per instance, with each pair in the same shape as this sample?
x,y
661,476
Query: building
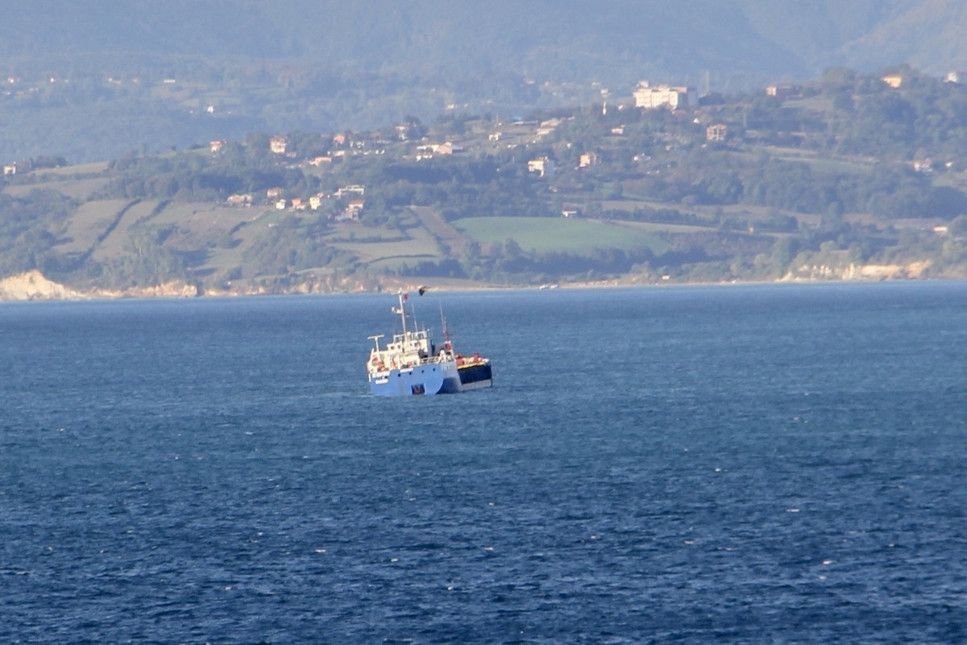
x,y
782,92
352,211
278,145
428,150
547,127
240,199
542,166
588,159
648,98
354,189
716,132
355,207
893,80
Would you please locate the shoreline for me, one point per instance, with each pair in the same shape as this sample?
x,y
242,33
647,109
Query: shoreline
x,y
32,286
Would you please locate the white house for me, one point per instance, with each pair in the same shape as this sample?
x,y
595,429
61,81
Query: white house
x,y
543,166
648,97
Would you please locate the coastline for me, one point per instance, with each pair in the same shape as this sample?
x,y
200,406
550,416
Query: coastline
x,y
33,286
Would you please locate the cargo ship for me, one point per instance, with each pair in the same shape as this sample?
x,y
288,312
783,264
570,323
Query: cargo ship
x,y
413,363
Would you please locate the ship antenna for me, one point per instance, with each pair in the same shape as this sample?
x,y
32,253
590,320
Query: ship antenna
x,y
446,330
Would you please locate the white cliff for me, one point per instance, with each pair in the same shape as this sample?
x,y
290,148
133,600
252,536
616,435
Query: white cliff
x,y
32,285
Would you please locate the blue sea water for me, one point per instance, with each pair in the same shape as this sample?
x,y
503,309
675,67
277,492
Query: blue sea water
x,y
777,464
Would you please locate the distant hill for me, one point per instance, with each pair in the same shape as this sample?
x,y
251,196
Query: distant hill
x,y
611,40
85,80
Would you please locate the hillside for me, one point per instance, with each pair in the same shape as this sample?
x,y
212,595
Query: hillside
x,y
844,177
95,80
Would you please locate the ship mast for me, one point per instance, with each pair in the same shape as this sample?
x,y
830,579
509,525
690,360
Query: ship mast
x,y
401,311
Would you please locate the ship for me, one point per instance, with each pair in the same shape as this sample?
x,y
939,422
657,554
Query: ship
x,y
413,363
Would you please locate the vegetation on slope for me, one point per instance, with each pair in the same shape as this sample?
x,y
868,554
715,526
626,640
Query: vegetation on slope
x,y
821,181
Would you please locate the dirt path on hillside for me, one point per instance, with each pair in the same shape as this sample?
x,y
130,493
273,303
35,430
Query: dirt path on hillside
x,y
440,229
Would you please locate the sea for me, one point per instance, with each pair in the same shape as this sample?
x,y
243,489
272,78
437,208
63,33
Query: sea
x,y
736,464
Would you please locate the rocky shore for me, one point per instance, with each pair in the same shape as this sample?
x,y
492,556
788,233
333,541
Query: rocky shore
x,y
34,286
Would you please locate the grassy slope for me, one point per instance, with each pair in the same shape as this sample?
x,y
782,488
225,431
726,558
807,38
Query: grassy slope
x,y
539,234
105,228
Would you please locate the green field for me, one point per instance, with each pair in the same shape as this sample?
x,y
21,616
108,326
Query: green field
x,y
570,235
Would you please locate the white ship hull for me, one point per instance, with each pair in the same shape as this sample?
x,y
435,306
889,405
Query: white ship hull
x,y
424,379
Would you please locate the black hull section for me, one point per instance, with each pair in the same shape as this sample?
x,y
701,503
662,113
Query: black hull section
x,y
478,375
450,386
